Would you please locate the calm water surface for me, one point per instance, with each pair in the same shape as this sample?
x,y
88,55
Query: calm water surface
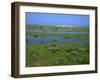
x,y
49,39
57,32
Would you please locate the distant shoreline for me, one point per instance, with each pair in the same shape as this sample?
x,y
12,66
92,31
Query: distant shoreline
x,y
55,25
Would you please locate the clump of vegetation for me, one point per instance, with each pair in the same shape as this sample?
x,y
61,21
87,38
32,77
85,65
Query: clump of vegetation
x,y
35,36
26,40
54,49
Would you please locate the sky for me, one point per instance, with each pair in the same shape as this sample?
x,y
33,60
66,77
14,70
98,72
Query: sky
x,y
57,19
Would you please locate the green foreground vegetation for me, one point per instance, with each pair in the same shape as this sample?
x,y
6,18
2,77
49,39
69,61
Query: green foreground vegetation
x,y
43,54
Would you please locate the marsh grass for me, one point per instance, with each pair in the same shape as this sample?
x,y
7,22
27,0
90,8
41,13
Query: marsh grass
x,y
57,28
54,53
43,54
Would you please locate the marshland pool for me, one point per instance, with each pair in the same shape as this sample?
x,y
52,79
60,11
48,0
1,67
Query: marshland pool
x,y
57,32
69,48
48,39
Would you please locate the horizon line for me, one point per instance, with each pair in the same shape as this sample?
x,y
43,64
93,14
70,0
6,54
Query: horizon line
x,y
57,25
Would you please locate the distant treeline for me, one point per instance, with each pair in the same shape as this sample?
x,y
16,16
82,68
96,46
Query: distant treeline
x,y
56,27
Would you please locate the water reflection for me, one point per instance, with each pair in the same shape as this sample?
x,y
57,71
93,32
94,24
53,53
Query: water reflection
x,y
49,39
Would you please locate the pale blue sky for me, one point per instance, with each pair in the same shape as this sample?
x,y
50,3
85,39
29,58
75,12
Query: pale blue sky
x,y
57,19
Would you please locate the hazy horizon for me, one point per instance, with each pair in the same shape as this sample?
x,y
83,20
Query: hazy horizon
x,y
56,25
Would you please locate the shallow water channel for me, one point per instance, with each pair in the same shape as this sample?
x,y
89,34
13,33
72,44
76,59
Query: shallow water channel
x,y
57,32
48,39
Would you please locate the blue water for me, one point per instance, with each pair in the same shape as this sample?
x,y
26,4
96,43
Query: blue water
x,y
49,39
68,32
57,32
34,30
59,39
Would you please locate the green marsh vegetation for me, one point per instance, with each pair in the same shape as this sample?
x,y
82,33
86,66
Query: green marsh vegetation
x,y
55,53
